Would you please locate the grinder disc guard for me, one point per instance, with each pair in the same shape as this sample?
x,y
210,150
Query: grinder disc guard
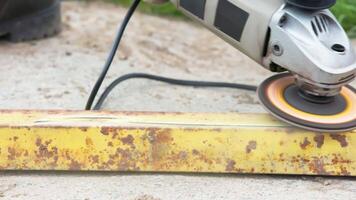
x,y
282,98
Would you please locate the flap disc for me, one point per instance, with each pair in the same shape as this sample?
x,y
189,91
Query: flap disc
x,y
282,98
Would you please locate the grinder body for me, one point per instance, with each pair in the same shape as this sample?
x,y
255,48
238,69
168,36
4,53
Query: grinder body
x,y
243,24
299,36
282,35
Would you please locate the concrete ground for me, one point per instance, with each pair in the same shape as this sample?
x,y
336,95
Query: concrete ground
x,y
58,73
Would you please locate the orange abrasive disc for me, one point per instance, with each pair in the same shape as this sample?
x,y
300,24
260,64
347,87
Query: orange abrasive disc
x,y
282,98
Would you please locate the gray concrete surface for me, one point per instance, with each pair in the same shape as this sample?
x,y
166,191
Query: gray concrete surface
x,y
58,73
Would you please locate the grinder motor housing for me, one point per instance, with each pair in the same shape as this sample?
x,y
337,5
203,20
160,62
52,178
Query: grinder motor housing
x,y
300,36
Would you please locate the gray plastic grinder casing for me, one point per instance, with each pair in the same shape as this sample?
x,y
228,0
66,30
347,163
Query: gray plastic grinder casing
x,y
304,39
254,33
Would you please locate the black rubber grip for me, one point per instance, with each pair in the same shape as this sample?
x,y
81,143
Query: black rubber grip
x,y
196,7
312,4
230,19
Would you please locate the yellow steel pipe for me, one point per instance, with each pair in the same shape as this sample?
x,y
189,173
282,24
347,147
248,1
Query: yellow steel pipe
x,y
169,142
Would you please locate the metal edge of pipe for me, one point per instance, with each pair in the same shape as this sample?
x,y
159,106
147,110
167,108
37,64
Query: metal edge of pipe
x,y
169,142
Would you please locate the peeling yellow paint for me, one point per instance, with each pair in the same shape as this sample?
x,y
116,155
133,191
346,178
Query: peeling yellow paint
x,y
169,142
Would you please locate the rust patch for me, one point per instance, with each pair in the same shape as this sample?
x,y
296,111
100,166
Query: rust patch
x,y
84,129
121,159
183,155
230,165
217,130
163,138
38,142
88,141
290,130
338,159
126,162
106,130
110,144
305,143
189,130
158,136
94,159
114,135
344,171
252,145
128,140
55,157
195,152
204,158
12,153
45,153
74,165
340,138
319,139
317,166
281,157
125,154
55,112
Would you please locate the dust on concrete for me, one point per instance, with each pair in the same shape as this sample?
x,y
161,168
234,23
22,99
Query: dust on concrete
x,y
146,197
59,72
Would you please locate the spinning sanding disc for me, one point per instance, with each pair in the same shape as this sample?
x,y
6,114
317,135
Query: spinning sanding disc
x,y
284,100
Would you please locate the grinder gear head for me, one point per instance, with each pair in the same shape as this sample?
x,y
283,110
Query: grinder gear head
x,y
314,47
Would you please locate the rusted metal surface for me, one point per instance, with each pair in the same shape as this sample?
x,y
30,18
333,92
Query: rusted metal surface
x,y
169,142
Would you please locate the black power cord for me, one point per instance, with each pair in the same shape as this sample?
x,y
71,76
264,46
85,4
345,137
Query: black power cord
x,y
112,53
125,77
